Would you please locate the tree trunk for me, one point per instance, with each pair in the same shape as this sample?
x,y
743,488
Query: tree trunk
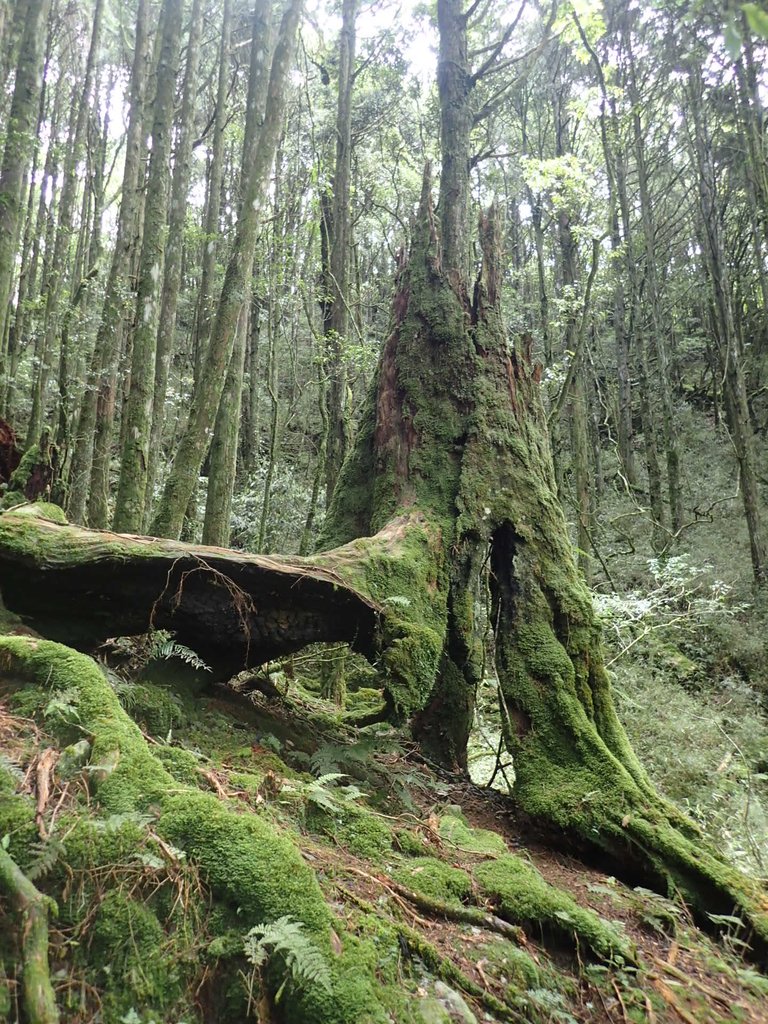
x,y
89,474
338,229
213,199
166,330
130,504
729,345
217,525
207,394
19,144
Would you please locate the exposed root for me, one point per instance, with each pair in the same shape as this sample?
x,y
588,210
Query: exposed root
x,y
450,911
441,966
32,908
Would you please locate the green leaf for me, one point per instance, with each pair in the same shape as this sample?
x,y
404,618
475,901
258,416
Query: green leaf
x,y
757,19
732,36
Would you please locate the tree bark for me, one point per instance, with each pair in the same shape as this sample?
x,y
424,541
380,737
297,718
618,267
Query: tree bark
x,y
166,328
338,230
207,394
19,144
89,474
131,501
32,907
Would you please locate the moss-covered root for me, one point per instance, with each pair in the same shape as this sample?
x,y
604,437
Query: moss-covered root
x,y
246,862
573,777
32,908
524,897
441,966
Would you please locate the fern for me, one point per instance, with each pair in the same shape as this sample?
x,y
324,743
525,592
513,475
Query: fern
x,y
163,648
318,793
63,707
303,962
330,757
116,821
12,769
47,855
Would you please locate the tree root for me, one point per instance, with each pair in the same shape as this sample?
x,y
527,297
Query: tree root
x,y
244,860
441,966
32,907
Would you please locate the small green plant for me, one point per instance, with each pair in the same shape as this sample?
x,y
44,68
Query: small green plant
x,y
132,654
303,963
320,793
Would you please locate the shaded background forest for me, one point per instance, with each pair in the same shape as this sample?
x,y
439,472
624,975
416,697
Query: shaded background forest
x,y
626,144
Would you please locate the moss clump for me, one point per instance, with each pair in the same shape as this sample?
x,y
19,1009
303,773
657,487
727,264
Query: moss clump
x,y
140,968
409,843
362,833
514,964
11,499
364,701
246,862
28,702
435,879
156,708
470,840
523,897
17,819
365,835
180,763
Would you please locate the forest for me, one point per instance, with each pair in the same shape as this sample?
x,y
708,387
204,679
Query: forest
x,y
383,544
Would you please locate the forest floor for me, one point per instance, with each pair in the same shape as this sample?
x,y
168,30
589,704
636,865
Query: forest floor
x,y
401,852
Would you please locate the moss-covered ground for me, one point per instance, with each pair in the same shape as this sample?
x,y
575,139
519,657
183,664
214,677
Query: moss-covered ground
x,y
165,823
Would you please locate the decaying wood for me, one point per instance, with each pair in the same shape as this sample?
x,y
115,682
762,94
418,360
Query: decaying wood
x,y
234,609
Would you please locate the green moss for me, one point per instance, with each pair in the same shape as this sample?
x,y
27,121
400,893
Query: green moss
x,y
248,866
523,897
28,701
11,499
245,861
365,835
364,701
470,840
181,764
31,458
17,820
91,844
505,960
156,708
435,878
139,969
409,843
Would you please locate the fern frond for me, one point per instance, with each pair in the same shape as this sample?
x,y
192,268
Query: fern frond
x,y
303,962
47,854
9,766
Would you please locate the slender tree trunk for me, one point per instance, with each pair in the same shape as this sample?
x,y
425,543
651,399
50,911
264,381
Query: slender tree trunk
x,y
130,504
205,400
658,339
17,155
613,156
217,525
89,474
61,263
730,350
337,323
29,250
213,199
166,330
